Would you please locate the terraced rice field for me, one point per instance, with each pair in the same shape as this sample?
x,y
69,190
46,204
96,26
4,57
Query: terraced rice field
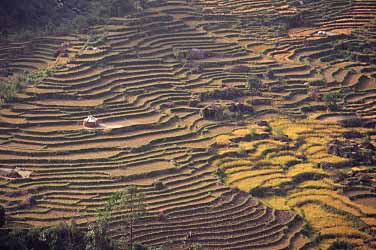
x,y
291,176
137,86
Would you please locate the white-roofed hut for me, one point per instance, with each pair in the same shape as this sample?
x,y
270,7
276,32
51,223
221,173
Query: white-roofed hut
x,y
91,122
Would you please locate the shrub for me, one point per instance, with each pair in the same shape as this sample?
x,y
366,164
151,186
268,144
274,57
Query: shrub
x,y
252,132
2,216
46,19
240,69
97,236
138,246
225,94
317,83
242,151
156,248
8,241
270,74
28,202
289,164
351,122
60,237
341,245
278,132
142,148
259,192
352,134
197,246
253,84
158,185
311,108
305,176
295,20
307,230
23,34
131,199
10,87
221,175
300,141
331,101
38,76
80,22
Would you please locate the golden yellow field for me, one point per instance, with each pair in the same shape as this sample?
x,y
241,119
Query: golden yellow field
x,y
245,124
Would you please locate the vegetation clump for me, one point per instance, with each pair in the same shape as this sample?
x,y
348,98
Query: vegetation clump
x,y
331,100
70,236
307,230
221,175
2,216
240,69
190,54
351,122
9,87
139,72
229,111
364,154
60,237
130,200
37,18
253,85
224,94
158,185
341,245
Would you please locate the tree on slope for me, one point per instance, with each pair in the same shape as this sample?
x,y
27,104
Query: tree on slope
x,y
129,203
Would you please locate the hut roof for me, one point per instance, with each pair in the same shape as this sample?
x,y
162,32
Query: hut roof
x,y
91,119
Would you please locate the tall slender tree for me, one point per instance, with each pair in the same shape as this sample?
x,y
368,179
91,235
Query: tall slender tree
x,y
130,204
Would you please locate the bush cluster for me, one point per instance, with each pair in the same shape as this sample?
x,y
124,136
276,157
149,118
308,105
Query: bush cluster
x,y
60,237
2,216
11,86
224,94
221,175
36,18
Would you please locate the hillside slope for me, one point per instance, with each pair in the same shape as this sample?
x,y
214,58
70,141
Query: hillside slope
x,y
150,76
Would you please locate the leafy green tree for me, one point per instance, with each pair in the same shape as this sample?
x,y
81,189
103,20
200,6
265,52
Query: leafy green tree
x,y
97,236
331,101
197,246
253,84
130,204
138,246
63,236
221,175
